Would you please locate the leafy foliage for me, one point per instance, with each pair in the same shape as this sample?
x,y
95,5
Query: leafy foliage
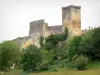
x,y
80,62
48,56
52,40
48,46
43,66
31,58
73,47
90,44
60,50
47,60
9,54
41,40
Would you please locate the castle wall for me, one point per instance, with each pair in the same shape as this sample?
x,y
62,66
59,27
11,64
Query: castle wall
x,y
36,28
22,40
71,18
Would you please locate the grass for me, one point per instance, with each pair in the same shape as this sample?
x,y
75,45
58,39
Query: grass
x,y
85,72
93,69
94,65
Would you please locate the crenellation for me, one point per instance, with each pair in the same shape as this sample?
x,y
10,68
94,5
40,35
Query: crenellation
x,y
71,18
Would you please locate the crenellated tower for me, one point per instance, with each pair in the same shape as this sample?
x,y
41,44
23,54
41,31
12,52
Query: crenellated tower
x,y
71,18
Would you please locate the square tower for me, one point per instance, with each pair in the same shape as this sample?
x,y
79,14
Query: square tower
x,y
71,18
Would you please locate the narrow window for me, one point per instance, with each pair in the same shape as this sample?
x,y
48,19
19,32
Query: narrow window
x,y
68,18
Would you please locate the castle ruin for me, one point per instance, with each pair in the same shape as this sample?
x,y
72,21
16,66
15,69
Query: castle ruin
x,y
71,18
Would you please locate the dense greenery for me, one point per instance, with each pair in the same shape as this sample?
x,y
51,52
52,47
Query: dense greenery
x,y
73,47
87,45
9,54
80,62
90,44
31,58
41,40
60,51
55,52
52,40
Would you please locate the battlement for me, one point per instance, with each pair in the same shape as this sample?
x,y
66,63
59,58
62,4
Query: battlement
x,y
71,6
41,20
71,18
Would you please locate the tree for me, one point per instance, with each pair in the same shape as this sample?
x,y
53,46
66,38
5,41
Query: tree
x,y
96,42
9,53
73,47
86,46
90,44
53,40
31,58
48,46
60,51
41,40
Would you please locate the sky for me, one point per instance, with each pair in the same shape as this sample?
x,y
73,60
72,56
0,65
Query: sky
x,y
15,15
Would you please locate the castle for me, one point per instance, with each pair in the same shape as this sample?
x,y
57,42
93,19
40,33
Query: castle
x,y
71,18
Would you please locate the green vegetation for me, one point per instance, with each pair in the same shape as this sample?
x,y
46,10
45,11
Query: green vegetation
x,y
60,50
59,56
90,44
52,40
73,47
41,41
9,54
31,57
80,62
92,70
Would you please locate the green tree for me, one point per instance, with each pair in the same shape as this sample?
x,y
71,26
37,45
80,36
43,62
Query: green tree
x,y
31,58
73,47
48,46
41,40
90,44
86,46
53,40
96,42
60,51
9,54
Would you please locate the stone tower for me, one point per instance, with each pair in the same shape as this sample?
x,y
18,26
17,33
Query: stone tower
x,y
71,18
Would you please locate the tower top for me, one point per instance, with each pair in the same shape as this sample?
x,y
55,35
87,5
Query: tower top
x,y
71,6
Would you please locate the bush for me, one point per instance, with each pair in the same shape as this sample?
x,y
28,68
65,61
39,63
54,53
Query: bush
x,y
31,58
60,51
80,62
53,68
73,47
43,66
41,40
52,40
48,56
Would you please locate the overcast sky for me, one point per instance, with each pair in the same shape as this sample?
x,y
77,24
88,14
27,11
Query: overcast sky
x,y
15,15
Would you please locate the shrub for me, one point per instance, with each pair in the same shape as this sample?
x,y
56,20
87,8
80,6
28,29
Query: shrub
x,y
80,62
48,56
52,40
53,68
43,66
60,50
31,58
62,63
73,47
41,40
